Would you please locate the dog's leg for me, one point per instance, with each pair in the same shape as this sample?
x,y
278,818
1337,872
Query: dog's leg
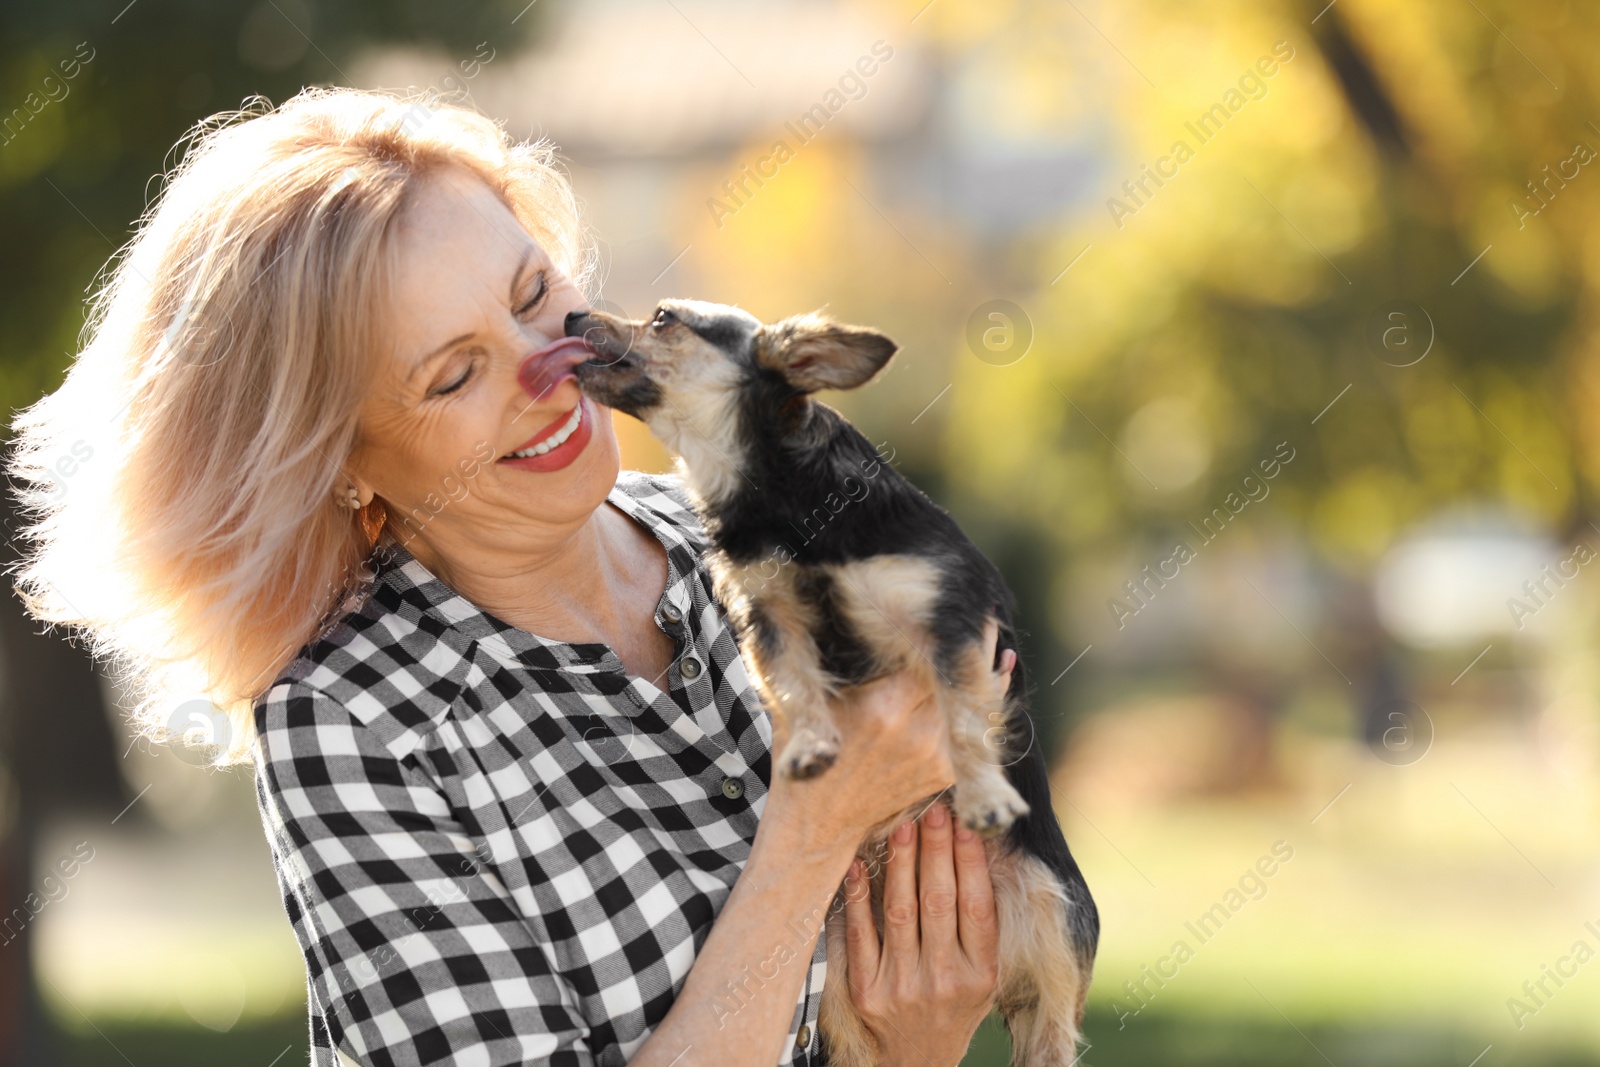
x,y
984,800
887,600
776,624
884,602
790,677
1043,980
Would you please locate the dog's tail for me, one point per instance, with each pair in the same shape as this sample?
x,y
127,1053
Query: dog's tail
x,y
1038,833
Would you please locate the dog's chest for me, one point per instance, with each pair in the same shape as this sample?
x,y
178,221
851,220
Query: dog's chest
x,y
854,620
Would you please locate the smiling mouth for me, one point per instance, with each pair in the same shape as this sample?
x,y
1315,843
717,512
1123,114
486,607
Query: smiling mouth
x,y
551,437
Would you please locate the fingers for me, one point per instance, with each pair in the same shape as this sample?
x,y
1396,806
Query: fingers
x,y
861,933
900,927
938,884
977,922
1008,663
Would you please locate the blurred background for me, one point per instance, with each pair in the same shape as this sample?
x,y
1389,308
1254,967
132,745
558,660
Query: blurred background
x,y
1255,340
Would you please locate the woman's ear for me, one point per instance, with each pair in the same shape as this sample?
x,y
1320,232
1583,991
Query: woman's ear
x,y
363,489
813,352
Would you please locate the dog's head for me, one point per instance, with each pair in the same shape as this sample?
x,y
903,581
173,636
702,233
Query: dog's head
x,y
714,383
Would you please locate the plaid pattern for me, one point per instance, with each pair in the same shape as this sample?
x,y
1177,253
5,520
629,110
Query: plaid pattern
x,y
497,849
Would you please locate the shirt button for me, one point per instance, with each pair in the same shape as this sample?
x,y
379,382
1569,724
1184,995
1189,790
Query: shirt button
x,y
732,788
802,1038
690,667
670,612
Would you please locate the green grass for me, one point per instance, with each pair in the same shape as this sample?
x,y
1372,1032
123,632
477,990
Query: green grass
x,y
281,1042
1157,1041
1229,1041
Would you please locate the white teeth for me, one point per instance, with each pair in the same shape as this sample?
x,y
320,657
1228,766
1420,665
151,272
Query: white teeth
x,y
556,439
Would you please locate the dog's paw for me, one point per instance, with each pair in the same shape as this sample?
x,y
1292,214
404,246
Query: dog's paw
x,y
989,809
807,757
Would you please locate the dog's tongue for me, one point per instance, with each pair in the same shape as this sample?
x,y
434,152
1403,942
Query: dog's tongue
x,y
543,370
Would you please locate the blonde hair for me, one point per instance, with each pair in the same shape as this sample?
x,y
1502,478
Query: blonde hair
x,y
178,487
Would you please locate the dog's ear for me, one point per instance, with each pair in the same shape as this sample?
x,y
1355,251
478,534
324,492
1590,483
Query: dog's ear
x,y
813,352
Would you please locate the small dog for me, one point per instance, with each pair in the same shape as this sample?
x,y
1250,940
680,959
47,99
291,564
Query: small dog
x,y
834,570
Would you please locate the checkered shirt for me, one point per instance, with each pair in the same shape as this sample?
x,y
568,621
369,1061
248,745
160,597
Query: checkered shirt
x,y
499,849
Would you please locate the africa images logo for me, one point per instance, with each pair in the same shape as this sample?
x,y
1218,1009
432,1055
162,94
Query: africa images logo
x,y
198,731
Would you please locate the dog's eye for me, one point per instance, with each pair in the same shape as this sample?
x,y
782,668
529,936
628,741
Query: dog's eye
x,y
663,318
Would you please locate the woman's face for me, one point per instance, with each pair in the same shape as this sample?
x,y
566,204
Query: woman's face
x,y
474,296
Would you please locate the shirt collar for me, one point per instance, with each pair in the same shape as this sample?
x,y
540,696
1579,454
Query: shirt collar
x,y
404,585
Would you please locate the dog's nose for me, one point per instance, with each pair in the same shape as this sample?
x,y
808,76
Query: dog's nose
x,y
574,322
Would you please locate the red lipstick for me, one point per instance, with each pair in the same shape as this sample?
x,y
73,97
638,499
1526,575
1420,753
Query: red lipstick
x,y
563,454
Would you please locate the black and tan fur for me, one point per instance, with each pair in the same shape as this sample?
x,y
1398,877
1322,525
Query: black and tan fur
x,y
828,589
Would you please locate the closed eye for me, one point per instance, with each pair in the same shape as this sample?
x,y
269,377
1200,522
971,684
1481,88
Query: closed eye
x,y
542,287
466,376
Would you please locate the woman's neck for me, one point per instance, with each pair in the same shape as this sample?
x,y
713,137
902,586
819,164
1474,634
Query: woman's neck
x,y
576,587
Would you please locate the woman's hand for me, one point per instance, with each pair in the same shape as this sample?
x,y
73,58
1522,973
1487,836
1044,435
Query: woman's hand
x,y
927,985
894,752
925,989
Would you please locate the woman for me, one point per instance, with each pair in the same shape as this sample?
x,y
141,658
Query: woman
x,y
516,781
